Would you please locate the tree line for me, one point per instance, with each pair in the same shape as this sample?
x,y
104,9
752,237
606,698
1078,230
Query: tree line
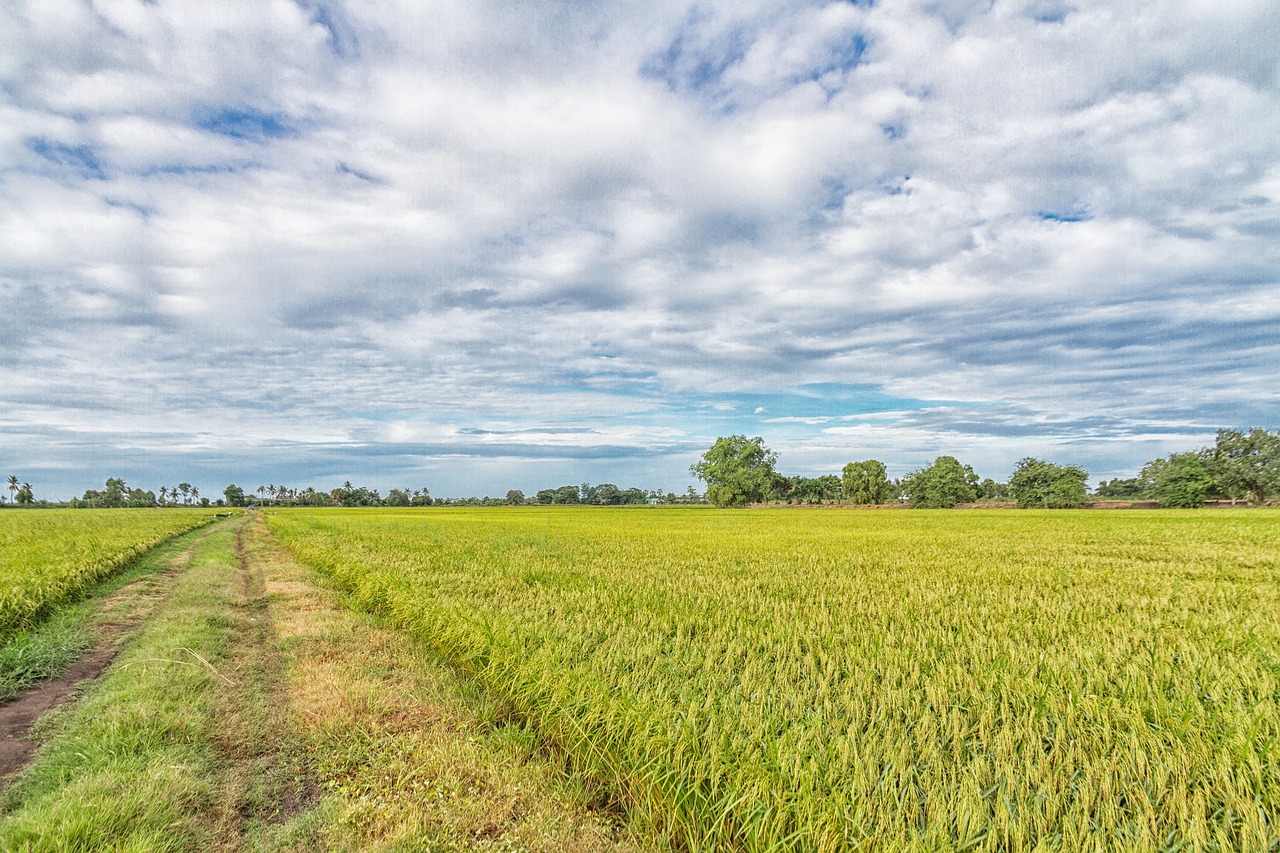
x,y
585,494
1239,466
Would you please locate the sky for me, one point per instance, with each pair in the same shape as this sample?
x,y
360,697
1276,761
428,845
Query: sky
x,y
476,246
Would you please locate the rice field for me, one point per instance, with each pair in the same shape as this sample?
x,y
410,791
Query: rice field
x,y
946,680
48,556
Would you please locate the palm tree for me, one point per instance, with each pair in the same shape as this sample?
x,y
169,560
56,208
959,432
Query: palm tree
x,y
195,493
185,488
13,485
163,492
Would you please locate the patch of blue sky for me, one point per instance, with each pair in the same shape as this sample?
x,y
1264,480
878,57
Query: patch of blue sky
x,y
243,123
1073,215
842,60
142,210
894,130
688,67
810,404
192,169
340,36
344,169
79,159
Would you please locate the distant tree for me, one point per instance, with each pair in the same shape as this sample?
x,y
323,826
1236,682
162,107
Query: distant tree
x,y
137,497
421,497
13,486
606,494
185,488
866,482
941,485
1037,483
195,493
25,496
635,495
115,492
1118,488
737,471
1245,465
1179,480
515,497
349,495
234,495
164,492
803,490
567,495
990,490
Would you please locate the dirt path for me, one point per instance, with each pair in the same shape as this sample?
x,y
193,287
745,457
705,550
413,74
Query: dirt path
x,y
118,615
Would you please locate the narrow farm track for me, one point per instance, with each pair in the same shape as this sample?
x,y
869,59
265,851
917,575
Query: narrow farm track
x,y
119,614
393,750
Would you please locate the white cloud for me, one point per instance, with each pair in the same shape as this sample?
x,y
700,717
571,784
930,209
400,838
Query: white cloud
x,y
568,228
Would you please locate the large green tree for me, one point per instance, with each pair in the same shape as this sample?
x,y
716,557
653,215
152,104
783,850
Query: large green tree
x,y
941,485
234,495
1179,480
866,482
1037,483
1246,465
737,470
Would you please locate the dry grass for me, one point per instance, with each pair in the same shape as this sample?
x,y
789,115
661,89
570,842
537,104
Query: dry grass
x,y
407,754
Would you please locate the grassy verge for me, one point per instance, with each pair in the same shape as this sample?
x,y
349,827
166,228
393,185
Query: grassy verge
x,y
406,754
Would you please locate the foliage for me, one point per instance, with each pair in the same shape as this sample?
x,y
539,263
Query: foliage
x,y
866,482
941,485
234,495
967,680
1246,464
49,556
1036,483
1180,480
990,490
115,494
737,471
1118,488
807,490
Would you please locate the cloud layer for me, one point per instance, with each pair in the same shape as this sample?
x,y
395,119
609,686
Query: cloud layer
x,y
487,245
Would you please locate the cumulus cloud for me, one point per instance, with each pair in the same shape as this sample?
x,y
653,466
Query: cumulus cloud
x,y
489,245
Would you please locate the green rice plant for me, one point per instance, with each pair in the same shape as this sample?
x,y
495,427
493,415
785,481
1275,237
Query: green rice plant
x,y
51,556
954,680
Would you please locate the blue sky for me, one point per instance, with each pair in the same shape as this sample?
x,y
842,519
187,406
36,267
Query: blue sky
x,y
476,246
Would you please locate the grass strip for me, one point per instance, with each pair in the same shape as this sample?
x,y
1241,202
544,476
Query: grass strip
x,y
406,752
132,766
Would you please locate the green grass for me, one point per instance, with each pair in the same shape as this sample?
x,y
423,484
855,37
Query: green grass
x,y
862,680
132,766
49,557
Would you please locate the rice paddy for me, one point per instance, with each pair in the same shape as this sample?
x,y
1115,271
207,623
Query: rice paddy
x,y
951,680
49,556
